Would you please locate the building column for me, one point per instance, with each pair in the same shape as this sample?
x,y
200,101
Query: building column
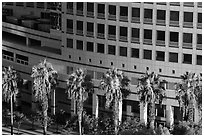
x,y
95,106
169,116
27,41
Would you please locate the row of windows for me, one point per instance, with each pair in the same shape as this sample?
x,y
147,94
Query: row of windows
x,y
135,14
134,32
134,52
18,58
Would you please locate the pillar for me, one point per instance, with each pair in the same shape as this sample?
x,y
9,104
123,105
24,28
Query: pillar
x,y
143,113
169,116
95,105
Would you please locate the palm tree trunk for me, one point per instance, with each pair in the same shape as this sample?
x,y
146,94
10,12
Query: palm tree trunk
x,y
190,114
11,114
116,111
143,114
152,115
53,102
80,109
96,113
120,111
45,107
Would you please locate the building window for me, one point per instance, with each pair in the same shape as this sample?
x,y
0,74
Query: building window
x,y
135,107
79,58
123,65
147,54
174,18
123,34
21,4
199,25
187,58
30,4
148,16
79,27
40,5
173,72
160,38
100,48
187,40
90,9
7,55
160,56
21,59
174,38
188,19
90,46
199,60
70,70
123,13
89,60
135,35
199,41
147,36
123,51
147,68
135,67
161,17
69,43
111,32
135,15
112,12
101,31
173,57
135,53
101,62
111,63
70,7
79,45
90,29
80,8
70,56
160,110
160,70
70,26
111,49
101,11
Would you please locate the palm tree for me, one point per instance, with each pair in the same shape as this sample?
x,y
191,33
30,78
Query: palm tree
x,y
43,74
78,86
116,87
9,88
150,90
188,94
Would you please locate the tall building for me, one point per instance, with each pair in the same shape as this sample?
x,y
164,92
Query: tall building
x,y
164,37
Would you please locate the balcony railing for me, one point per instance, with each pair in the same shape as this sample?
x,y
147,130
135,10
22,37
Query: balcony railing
x,y
161,22
101,35
160,43
199,25
90,34
124,18
70,30
22,61
187,45
188,4
200,4
174,23
199,46
135,20
123,38
175,3
135,40
70,11
147,41
112,17
147,21
8,57
111,37
173,44
90,14
188,24
101,15
79,13
80,32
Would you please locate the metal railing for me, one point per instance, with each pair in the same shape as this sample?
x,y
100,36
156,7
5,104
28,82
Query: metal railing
x,y
90,14
187,45
173,44
101,15
124,18
161,22
90,34
147,21
174,23
111,37
135,40
101,35
135,20
111,17
199,46
79,32
147,41
123,38
79,13
7,57
188,24
160,43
